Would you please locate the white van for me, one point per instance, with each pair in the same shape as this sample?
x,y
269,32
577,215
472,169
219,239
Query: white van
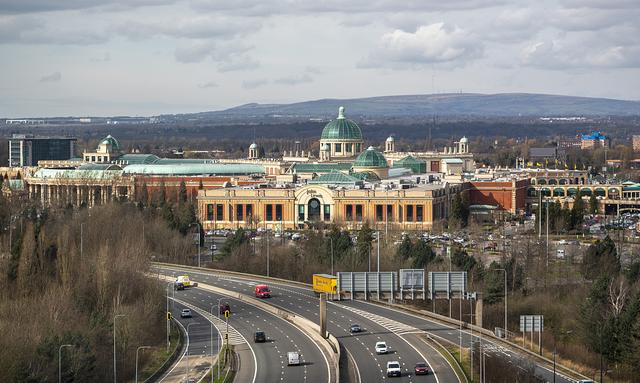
x,y
560,253
293,358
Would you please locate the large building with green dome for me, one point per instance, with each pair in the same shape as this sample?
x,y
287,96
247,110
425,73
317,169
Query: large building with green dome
x,y
342,136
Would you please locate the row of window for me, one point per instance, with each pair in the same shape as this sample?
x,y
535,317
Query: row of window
x,y
348,148
93,159
215,212
385,213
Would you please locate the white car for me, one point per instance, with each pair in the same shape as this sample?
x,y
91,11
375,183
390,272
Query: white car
x,y
381,348
185,313
393,369
293,358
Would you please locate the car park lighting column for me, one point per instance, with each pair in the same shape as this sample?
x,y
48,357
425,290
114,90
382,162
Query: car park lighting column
x,y
168,314
506,336
137,350
114,345
217,343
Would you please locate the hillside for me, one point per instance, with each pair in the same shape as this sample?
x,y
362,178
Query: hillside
x,y
458,104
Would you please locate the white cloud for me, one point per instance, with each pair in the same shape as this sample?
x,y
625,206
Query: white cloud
x,y
434,43
253,84
294,80
562,55
53,77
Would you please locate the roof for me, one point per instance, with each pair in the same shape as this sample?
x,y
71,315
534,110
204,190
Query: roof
x,y
320,168
371,158
390,139
109,140
594,136
542,152
335,177
410,162
253,146
341,129
130,159
194,168
77,174
452,161
93,166
178,161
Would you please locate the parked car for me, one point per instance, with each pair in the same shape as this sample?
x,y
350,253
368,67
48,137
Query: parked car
x,y
393,369
259,337
224,306
381,348
421,368
355,328
185,313
293,358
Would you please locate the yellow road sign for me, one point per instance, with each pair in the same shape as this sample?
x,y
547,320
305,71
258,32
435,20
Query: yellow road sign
x,y
227,313
169,316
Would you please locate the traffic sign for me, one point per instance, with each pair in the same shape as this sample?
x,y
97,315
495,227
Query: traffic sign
x,y
169,316
227,313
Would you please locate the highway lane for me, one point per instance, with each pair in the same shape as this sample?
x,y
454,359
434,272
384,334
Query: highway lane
x,y
283,337
406,348
420,322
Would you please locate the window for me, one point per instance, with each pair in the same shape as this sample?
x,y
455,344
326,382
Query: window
x,y
358,148
219,212
300,212
239,215
348,148
279,212
249,210
379,211
419,211
349,213
389,213
327,212
209,212
269,213
358,212
409,213
400,214
338,148
230,212
87,158
93,158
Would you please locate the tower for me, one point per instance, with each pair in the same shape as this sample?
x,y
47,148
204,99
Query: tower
x,y
253,151
463,145
390,145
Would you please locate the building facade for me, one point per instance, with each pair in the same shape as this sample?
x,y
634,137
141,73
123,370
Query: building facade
x,y
28,150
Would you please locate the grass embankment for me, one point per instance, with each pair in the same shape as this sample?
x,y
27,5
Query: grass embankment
x,y
158,357
226,361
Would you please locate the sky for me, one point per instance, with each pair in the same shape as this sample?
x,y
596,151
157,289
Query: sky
x,y
149,57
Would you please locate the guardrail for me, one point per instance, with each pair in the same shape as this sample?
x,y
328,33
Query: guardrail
x,y
329,346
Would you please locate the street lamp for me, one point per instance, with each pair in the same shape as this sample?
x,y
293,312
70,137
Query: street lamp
x,y
199,239
505,302
60,360
186,375
555,353
138,349
114,344
168,322
331,240
217,342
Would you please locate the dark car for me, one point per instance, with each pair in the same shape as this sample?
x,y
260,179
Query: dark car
x,y
178,286
421,368
224,307
355,328
259,337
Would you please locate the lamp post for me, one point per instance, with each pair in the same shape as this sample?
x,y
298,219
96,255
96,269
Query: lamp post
x,y
199,239
331,240
186,372
168,322
555,353
505,302
60,360
137,350
217,341
114,345
267,234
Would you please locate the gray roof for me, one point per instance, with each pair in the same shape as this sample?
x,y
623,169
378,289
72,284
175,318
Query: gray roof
x,y
77,174
542,152
194,169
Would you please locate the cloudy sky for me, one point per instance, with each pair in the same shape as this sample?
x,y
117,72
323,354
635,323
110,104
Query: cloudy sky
x,y
144,57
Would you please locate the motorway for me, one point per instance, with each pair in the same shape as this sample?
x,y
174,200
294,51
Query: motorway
x,y
271,356
405,345
398,328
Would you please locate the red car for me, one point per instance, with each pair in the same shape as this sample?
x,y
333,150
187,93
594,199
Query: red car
x,y
421,368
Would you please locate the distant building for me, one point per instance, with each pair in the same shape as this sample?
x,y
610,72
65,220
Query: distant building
x,y
108,150
636,143
27,150
594,140
546,155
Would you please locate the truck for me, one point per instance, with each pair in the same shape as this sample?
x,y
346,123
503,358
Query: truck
x,y
184,281
325,283
262,291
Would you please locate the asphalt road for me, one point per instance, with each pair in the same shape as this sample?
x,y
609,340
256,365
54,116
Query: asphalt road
x,y
405,346
271,356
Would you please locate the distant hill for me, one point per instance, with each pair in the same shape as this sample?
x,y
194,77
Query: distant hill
x,y
453,104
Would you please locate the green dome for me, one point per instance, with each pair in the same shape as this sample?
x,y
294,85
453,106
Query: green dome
x,y
371,158
112,141
341,129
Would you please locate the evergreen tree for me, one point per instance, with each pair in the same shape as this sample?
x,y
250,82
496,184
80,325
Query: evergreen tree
x,y
577,213
422,255
182,194
405,250
601,259
363,243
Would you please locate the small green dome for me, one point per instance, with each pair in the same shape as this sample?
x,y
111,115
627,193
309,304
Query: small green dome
x,y
341,129
371,158
253,146
109,140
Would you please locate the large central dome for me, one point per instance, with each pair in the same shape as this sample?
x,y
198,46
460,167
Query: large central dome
x,y
341,129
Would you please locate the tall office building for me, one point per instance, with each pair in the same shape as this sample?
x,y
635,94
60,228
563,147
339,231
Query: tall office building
x,y
27,150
